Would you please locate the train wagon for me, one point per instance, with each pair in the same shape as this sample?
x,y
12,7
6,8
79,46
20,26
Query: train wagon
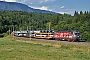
x,y
23,33
72,35
47,34
19,33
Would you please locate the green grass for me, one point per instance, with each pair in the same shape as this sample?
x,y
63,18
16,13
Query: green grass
x,y
20,49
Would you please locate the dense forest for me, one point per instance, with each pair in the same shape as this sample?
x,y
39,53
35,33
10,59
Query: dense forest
x,y
21,20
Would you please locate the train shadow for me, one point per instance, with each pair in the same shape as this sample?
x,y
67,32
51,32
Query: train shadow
x,y
69,41
82,41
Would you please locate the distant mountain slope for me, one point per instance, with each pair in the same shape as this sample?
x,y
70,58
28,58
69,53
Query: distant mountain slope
x,y
20,7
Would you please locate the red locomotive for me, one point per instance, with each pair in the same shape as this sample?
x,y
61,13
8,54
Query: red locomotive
x,y
72,35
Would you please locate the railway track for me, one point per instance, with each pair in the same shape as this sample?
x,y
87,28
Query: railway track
x,y
81,43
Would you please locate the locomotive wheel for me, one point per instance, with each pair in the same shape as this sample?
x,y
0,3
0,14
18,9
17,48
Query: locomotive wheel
x,y
73,40
69,40
76,40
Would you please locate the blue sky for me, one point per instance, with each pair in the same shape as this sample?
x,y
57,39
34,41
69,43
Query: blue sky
x,y
60,6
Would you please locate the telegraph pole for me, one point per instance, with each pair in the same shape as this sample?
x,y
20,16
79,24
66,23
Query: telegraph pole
x,y
49,26
9,31
30,32
27,28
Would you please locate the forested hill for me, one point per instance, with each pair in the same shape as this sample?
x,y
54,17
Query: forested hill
x,y
20,7
19,20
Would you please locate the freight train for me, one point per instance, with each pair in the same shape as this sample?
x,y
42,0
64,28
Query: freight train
x,y
69,35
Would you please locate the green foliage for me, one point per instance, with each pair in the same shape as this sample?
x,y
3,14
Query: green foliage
x,y
16,20
20,20
86,36
7,33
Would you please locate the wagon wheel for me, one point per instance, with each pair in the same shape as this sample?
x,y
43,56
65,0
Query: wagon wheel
x,y
58,39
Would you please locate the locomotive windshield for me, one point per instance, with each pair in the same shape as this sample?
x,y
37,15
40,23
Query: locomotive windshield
x,y
77,33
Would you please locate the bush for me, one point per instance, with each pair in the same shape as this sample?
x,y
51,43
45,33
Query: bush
x,y
86,36
1,35
7,33
4,34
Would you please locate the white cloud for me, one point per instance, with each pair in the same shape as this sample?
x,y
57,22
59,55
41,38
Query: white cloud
x,y
70,9
41,8
29,1
63,7
10,0
34,1
62,12
44,8
41,1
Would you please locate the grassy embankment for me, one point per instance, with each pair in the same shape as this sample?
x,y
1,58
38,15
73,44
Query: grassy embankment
x,y
20,49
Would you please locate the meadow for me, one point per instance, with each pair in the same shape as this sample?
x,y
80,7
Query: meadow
x,y
20,49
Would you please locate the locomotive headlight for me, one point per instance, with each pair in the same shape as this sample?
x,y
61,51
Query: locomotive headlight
x,y
78,36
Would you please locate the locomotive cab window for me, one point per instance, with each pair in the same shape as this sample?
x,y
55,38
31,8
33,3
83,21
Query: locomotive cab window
x,y
77,33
